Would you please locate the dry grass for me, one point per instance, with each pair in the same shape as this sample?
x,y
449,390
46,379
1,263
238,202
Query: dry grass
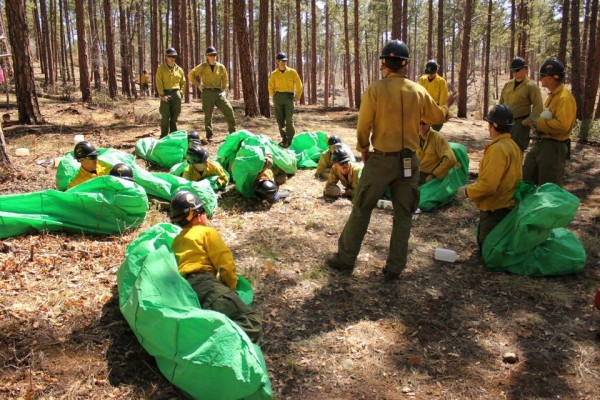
x,y
440,332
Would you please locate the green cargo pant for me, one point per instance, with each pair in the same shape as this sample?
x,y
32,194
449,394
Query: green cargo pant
x,y
214,295
210,99
284,115
545,162
520,133
379,172
169,112
488,221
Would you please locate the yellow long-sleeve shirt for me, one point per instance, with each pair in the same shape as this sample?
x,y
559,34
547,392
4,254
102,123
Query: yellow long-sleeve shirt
x,y
349,181
564,113
287,81
200,248
325,163
212,168
204,76
524,100
167,79
144,79
500,170
83,175
437,88
393,107
266,175
435,155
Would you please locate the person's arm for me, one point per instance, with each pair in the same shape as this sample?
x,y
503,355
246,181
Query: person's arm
x,y
366,115
493,166
223,179
224,79
333,179
537,106
160,86
182,82
322,164
193,77
443,92
221,258
298,86
271,85
447,158
563,116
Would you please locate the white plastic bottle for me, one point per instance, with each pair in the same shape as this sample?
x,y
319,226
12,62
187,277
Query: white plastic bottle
x,y
21,152
78,138
446,255
385,204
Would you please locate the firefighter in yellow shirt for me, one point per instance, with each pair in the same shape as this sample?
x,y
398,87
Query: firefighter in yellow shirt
x,y
87,156
343,171
436,86
207,264
285,87
170,84
211,77
524,98
546,160
388,120
324,165
144,83
435,154
201,167
499,174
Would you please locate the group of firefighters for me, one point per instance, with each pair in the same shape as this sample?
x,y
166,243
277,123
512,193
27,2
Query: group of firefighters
x,y
399,139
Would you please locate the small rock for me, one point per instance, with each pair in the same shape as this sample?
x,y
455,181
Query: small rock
x,y
406,389
510,358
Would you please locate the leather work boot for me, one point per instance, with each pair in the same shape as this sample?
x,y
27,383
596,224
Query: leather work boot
x,y
334,262
389,276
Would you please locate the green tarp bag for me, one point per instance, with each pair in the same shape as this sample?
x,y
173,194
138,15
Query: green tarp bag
x,y
531,239
243,153
202,352
164,152
309,146
160,184
103,205
437,193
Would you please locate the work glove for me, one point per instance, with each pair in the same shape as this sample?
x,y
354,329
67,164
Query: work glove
x,y
546,114
462,193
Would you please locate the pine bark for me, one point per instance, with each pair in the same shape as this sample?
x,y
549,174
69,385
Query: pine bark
x,y
49,72
299,45
357,68
313,53
208,19
440,37
125,78
154,60
327,55
593,63
463,71
430,30
396,19
110,50
564,30
246,59
486,79
18,32
347,59
576,87
263,59
84,75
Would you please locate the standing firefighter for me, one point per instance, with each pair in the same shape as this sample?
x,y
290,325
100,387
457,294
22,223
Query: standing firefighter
x,y
207,264
524,98
144,82
170,83
285,87
545,162
436,86
211,77
499,174
389,117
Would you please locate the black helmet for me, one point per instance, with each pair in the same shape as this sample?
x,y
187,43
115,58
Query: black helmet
x,y
211,50
185,206
554,68
121,170
517,63
501,116
84,149
266,189
193,135
197,155
431,67
340,156
333,140
171,52
281,57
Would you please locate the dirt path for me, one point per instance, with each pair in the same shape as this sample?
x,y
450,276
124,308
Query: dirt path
x,y
440,332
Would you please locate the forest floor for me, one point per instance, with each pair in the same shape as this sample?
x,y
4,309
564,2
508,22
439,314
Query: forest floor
x,y
440,332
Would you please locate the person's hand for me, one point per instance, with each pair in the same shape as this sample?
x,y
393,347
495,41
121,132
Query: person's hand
x,y
429,178
462,193
527,122
165,98
365,156
451,98
546,114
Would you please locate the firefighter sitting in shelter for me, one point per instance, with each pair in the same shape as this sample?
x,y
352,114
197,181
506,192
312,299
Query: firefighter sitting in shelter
x,y
324,165
201,167
435,154
87,155
207,263
344,171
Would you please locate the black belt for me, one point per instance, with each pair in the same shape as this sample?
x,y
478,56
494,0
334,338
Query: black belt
x,y
390,153
523,117
171,91
555,140
213,89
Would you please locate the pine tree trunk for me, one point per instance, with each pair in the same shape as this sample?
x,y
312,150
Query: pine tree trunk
x,y
84,77
513,14
176,7
54,36
313,54
70,39
110,50
486,79
593,66
327,55
299,45
215,20
49,72
404,36
125,79
347,59
154,60
576,58
95,45
18,32
226,39
251,26
185,48
263,59
430,30
64,70
463,71
245,57
4,160
208,19
396,19
357,88
564,30
440,38
41,44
